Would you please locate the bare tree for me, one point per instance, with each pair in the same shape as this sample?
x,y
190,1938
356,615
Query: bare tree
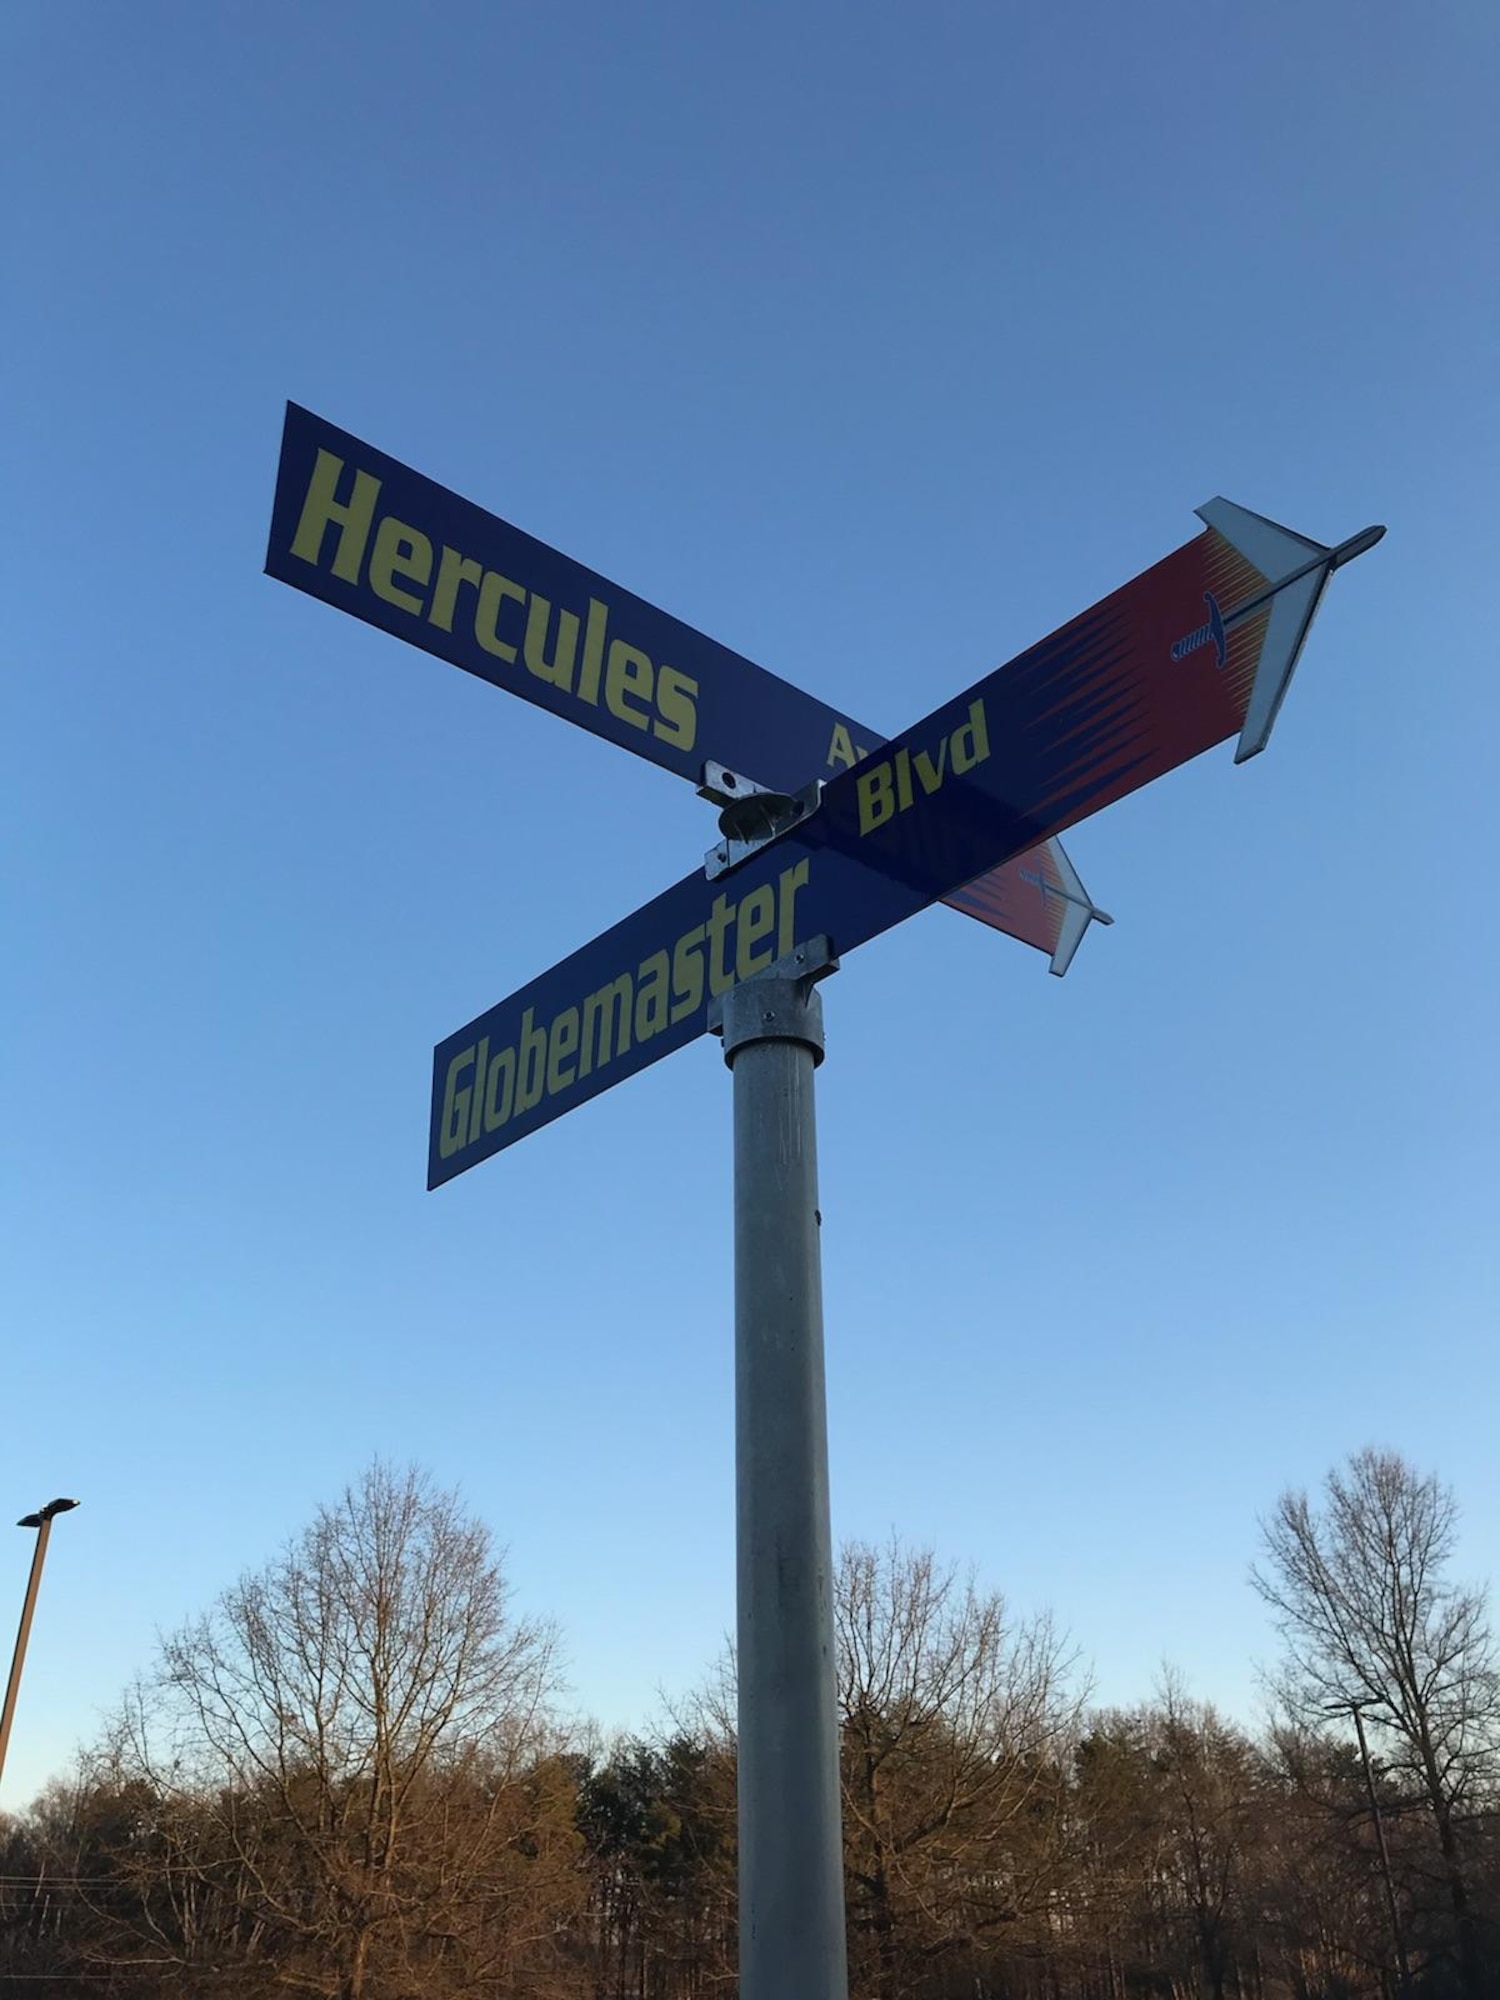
x,y
353,1750
1207,1778
956,1728
1372,1623
1324,1916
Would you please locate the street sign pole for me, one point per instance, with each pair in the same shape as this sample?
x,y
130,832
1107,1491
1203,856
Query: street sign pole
x,y
966,799
791,1864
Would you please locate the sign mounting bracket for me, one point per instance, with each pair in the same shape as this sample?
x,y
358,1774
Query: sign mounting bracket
x,y
751,815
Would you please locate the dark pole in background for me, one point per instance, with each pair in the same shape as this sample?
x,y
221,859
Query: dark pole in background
x,y
1385,1854
1356,1709
42,1522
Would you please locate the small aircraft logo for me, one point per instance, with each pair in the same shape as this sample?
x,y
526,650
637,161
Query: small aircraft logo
x,y
1211,633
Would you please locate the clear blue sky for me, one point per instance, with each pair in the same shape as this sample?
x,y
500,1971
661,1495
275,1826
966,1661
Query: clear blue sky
x,y
876,341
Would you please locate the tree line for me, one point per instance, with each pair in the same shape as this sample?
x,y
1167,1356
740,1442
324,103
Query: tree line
x,y
349,1780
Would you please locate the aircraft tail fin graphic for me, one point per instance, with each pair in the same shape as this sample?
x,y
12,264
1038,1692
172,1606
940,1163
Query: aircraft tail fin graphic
x,y
1079,911
1295,568
1274,550
1038,898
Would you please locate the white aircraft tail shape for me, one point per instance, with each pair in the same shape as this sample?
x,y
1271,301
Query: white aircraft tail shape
x,y
1079,913
1295,568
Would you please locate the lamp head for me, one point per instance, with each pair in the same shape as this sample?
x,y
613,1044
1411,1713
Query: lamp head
x,y
52,1508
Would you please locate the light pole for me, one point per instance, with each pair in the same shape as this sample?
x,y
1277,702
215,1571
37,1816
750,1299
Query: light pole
x,y
1356,1709
41,1520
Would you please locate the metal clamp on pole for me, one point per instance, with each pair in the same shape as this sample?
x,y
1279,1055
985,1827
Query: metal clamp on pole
x,y
791,1850
778,1004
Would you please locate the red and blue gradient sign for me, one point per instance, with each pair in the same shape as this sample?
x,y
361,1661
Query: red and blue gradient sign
x,y
1103,706
368,535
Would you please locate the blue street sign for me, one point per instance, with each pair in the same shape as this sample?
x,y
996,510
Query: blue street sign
x,y
370,536
1122,694
361,531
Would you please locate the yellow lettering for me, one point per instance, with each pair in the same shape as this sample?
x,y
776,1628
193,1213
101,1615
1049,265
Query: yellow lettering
x,y
687,974
531,1077
482,1091
676,696
628,673
562,1047
930,773
321,509
841,751
559,669
481,1062
500,1090
399,551
877,801
788,883
651,996
757,920
593,651
454,1130
600,1015
971,744
720,923
491,591
453,569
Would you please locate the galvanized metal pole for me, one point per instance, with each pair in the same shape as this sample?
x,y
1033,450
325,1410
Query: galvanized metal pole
x,y
791,1914
18,1658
